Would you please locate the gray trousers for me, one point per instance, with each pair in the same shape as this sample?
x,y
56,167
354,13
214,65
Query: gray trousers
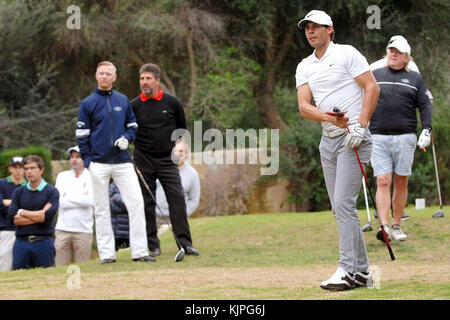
x,y
343,181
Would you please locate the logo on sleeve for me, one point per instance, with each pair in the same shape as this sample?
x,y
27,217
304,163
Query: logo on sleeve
x,y
80,124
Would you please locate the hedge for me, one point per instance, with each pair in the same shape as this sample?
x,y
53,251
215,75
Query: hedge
x,y
45,154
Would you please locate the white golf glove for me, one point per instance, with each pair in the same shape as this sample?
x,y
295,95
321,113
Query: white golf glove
x,y
122,143
424,139
355,135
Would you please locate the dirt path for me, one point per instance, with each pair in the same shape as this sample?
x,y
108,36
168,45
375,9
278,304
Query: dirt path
x,y
204,283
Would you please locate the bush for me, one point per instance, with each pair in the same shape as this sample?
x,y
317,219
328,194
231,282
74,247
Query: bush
x,y
302,167
5,158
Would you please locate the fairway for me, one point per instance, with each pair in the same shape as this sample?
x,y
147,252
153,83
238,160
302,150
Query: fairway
x,y
261,256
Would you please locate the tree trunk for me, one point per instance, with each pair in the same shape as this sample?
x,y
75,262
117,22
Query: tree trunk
x,y
267,109
193,78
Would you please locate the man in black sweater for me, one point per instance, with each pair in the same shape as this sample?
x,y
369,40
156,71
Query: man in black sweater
x,y
158,115
32,211
393,127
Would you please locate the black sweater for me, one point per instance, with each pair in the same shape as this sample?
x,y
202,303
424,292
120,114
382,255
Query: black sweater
x,y
401,94
157,119
23,198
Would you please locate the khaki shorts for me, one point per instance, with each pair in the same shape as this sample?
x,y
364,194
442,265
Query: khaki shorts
x,y
72,244
393,154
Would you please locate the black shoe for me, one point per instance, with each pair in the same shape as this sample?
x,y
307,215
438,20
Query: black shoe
x,y
405,217
191,251
155,252
106,261
145,259
380,233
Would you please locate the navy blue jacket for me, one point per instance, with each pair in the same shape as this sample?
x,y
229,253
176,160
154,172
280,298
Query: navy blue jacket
x,y
24,198
119,214
7,188
103,117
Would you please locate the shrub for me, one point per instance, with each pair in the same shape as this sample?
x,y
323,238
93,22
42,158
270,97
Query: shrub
x,y
5,158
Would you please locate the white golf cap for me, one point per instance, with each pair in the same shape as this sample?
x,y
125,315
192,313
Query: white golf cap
x,y
71,149
316,16
400,43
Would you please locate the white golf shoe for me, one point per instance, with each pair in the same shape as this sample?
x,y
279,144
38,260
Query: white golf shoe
x,y
397,233
340,280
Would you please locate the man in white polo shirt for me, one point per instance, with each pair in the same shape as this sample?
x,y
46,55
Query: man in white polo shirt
x,y
332,76
74,228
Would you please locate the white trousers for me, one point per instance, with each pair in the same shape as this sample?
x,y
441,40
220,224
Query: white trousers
x,y
126,180
7,239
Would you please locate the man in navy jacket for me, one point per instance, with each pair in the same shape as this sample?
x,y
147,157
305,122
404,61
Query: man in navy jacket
x,y
32,211
106,125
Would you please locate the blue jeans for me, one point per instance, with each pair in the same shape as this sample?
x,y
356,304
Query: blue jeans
x,y
33,254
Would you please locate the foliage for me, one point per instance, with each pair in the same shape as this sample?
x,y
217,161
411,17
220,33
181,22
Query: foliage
x,y
301,165
230,62
224,96
5,158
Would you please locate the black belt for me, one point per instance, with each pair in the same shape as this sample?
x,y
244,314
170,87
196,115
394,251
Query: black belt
x,y
32,238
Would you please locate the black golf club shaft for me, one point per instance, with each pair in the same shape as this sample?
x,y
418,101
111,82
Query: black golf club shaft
x,y
153,197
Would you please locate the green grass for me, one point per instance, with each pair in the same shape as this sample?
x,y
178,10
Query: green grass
x,y
260,256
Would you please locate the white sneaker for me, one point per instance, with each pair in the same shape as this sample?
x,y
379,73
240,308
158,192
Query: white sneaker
x,y
397,233
340,280
363,279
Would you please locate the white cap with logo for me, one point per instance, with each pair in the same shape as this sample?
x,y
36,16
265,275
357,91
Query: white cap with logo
x,y
316,16
400,43
71,149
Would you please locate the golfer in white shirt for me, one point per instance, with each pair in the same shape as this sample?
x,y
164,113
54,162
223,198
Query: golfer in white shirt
x,y
336,75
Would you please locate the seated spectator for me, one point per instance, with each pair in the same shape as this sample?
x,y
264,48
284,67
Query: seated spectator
x,y
74,228
7,231
119,218
189,180
32,211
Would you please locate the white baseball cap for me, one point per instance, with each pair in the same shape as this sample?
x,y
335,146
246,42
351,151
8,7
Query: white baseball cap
x,y
316,16
400,43
71,149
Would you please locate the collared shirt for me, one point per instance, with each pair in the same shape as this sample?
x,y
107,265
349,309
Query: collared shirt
x,y
10,180
40,187
332,80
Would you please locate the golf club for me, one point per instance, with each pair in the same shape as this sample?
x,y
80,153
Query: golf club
x,y
367,227
180,254
439,213
385,236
